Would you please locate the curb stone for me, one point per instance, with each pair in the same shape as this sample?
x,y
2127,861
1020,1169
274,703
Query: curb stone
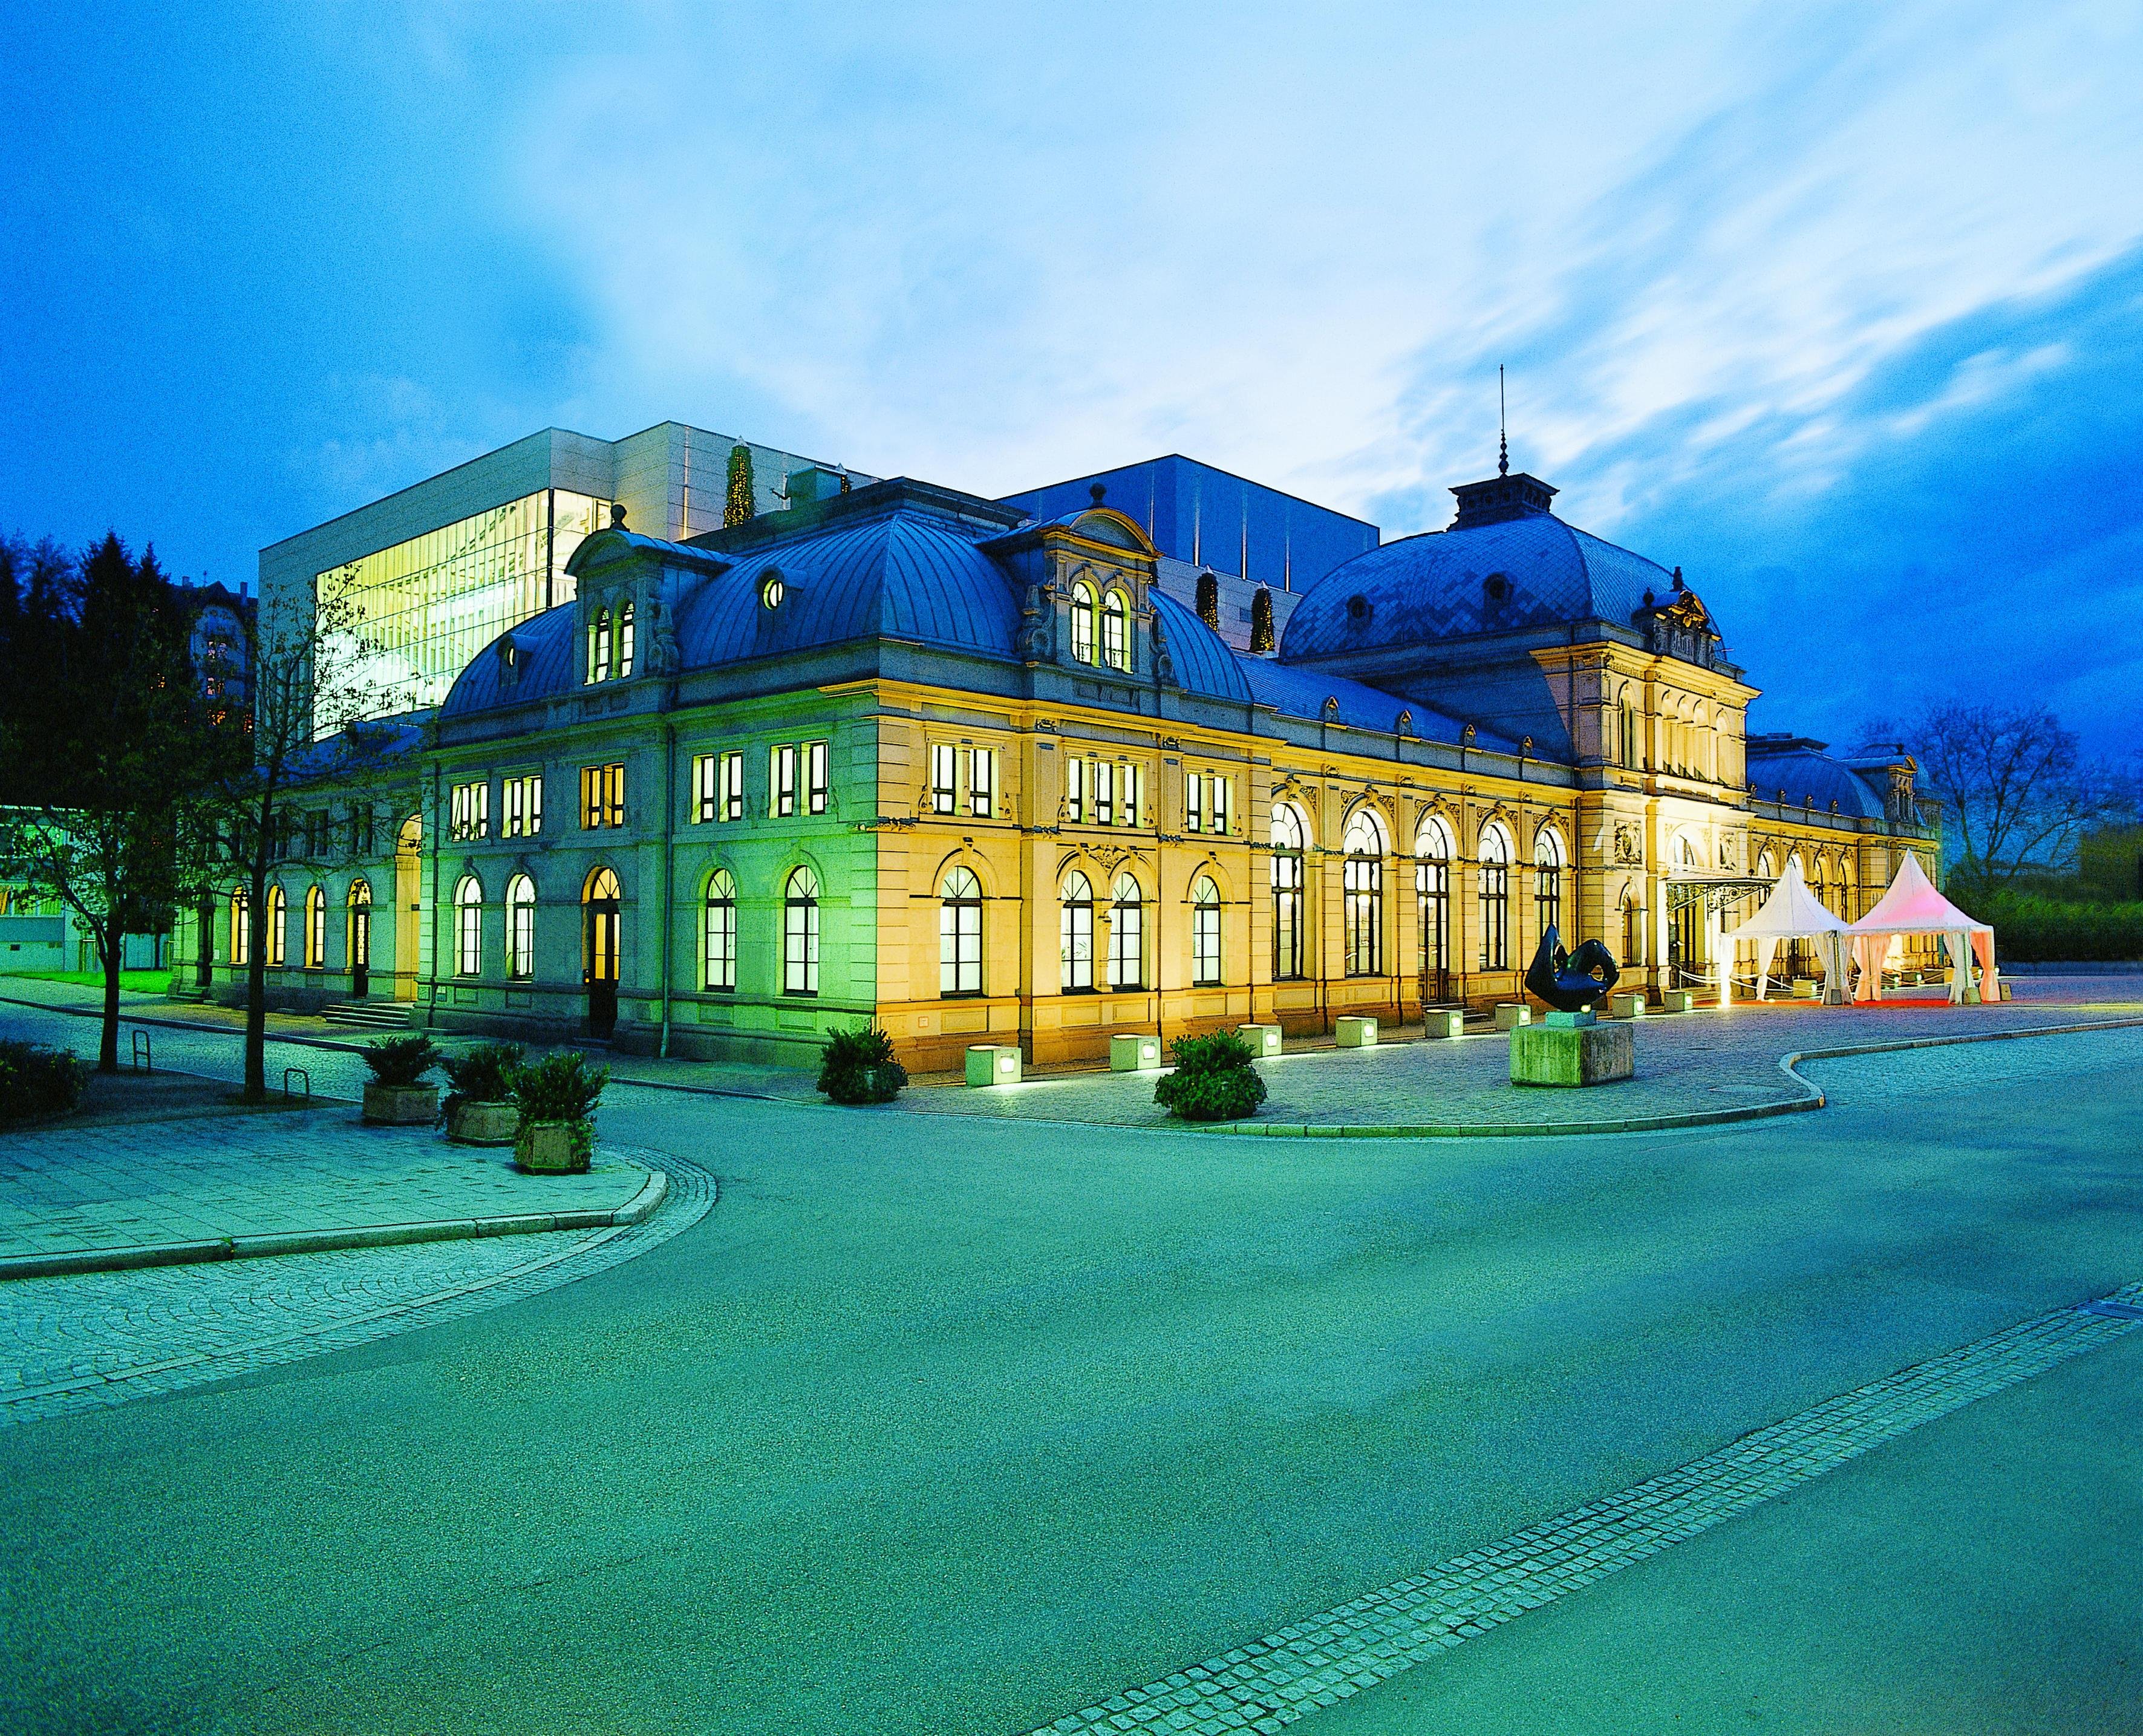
x,y
636,1210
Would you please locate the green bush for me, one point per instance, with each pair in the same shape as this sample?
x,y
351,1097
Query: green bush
x,y
401,1060
36,1081
859,1068
1214,1078
481,1075
2030,927
560,1087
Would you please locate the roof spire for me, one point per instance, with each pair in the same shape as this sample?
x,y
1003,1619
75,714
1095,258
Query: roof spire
x,y
1503,428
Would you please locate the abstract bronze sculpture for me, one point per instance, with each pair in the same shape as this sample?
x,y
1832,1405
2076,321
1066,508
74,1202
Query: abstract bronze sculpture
x,y
1572,981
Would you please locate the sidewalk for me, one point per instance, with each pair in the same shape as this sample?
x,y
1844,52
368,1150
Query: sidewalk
x,y
111,1196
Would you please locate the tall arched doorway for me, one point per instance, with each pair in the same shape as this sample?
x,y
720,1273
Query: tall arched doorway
x,y
600,936
408,899
360,939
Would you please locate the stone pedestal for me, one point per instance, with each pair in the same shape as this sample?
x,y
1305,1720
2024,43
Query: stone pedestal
x,y
1264,1039
1510,1015
1443,1021
1351,1032
1572,1049
1133,1054
993,1064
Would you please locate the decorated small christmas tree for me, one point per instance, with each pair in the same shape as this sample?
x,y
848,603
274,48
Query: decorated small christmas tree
x,y
1208,599
1261,625
737,508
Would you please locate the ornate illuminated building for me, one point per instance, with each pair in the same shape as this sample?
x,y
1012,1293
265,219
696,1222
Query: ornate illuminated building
x,y
979,771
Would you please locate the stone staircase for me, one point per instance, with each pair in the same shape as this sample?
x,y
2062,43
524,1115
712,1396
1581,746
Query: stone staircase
x,y
369,1015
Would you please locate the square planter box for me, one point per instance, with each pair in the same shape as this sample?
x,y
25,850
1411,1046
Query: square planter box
x,y
1441,1022
1628,1005
483,1124
554,1148
1264,1039
1510,1015
1133,1054
401,1105
1353,1033
993,1064
1678,1000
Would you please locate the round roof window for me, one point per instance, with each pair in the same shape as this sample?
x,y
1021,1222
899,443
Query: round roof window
x,y
770,588
1497,584
1358,608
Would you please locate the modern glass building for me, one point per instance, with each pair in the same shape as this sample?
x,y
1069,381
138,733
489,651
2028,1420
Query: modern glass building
x,y
436,571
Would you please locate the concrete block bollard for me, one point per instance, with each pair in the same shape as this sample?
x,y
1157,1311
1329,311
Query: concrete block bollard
x,y
1628,1005
1134,1054
1678,1000
1510,1015
1353,1032
1441,1022
993,1064
1263,1039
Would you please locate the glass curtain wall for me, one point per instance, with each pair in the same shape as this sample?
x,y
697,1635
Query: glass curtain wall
x,y
425,607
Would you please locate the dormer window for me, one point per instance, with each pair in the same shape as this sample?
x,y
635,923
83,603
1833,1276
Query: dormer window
x,y
1082,622
1115,634
599,645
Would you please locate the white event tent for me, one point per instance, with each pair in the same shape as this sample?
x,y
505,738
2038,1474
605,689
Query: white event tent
x,y
1912,906
1791,911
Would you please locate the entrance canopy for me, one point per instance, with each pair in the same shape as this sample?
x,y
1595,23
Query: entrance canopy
x,y
1913,905
1794,912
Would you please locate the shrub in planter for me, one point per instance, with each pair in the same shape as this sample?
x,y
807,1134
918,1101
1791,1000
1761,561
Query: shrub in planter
x,y
36,1081
479,1110
556,1097
1214,1078
398,1095
859,1067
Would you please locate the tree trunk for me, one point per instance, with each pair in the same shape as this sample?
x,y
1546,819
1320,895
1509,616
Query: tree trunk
x,y
112,953
256,986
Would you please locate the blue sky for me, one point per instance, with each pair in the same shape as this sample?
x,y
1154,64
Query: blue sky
x,y
1839,307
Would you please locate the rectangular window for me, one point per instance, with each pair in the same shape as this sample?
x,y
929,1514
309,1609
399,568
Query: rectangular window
x,y
1131,794
316,833
706,791
1075,790
816,773
732,787
981,782
781,779
945,775
521,806
1194,806
472,811
1222,791
602,795
1105,794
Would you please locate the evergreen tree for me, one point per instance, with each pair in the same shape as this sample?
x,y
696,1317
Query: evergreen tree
x,y
1261,620
1208,599
737,508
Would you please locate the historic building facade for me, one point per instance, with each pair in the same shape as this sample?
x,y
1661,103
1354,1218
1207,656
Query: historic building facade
x,y
909,755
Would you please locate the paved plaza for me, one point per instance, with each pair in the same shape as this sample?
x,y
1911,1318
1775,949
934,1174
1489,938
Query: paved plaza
x,y
956,1422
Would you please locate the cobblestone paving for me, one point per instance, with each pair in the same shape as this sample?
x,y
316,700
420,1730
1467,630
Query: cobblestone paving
x,y
101,1339
1699,1062
1277,1680
64,1189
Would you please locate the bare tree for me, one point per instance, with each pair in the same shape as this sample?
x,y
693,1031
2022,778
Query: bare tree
x,y
2019,790
315,700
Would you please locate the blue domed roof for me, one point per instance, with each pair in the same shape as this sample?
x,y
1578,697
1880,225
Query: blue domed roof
x,y
902,574
1490,578
1203,661
544,664
1810,779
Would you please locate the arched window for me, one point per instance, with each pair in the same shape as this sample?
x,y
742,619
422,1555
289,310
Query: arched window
x,y
1548,880
625,638
1766,867
1431,886
599,645
1126,935
278,910
241,928
1495,898
1286,892
800,934
1082,622
469,927
720,946
1076,902
316,929
1205,933
960,934
1116,631
1363,907
520,928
